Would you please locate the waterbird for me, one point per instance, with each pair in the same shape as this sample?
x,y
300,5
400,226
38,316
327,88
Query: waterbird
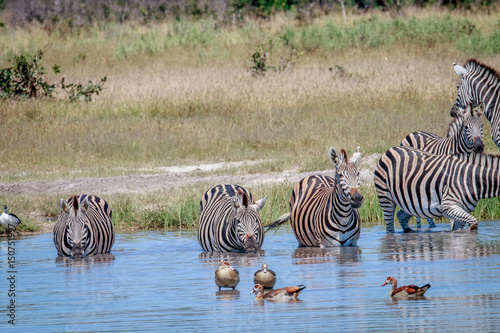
x,y
226,276
282,294
408,291
8,220
265,276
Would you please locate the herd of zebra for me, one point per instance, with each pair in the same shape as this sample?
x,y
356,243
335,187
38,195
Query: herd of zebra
x,y
426,176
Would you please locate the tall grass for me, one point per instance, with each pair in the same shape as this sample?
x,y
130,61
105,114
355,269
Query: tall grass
x,y
181,93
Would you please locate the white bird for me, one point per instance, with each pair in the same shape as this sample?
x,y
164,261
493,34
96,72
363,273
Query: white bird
x,y
9,221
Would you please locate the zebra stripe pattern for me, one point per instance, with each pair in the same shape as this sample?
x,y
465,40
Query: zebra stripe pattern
x,y
480,83
230,221
323,209
464,136
428,185
84,227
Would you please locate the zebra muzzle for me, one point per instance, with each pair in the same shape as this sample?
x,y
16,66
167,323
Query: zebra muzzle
x,y
477,145
356,199
250,244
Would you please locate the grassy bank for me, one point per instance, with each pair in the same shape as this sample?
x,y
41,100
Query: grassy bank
x,y
181,208
182,93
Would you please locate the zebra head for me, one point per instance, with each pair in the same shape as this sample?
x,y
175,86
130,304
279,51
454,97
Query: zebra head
x,y
472,127
77,232
465,93
249,227
347,176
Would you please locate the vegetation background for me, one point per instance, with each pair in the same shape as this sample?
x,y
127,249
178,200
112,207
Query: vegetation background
x,y
191,82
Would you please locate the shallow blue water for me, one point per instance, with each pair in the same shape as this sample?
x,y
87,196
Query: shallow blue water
x,y
161,281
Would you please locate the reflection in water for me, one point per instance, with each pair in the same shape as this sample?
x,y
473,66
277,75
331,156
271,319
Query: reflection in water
x,y
227,295
431,246
319,255
234,258
86,261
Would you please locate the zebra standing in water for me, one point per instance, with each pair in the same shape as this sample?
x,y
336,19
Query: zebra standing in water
x,y
465,135
480,83
323,210
230,221
428,185
84,227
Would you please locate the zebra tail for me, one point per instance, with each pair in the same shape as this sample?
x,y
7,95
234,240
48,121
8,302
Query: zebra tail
x,y
276,224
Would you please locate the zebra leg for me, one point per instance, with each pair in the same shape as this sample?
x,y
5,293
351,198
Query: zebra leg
x,y
431,223
403,218
388,207
456,225
460,216
419,225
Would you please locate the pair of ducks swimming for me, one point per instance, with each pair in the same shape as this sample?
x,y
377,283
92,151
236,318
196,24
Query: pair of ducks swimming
x,y
226,276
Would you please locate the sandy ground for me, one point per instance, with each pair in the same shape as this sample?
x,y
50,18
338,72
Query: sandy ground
x,y
165,178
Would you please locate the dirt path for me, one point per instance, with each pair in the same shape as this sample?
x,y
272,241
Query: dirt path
x,y
165,178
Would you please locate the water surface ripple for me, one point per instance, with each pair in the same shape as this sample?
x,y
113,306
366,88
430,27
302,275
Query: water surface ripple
x,y
161,281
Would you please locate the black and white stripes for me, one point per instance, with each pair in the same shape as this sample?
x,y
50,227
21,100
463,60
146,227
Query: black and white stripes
x,y
230,221
480,83
323,209
84,227
428,185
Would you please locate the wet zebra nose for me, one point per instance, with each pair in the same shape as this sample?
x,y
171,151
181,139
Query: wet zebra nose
x,y
250,244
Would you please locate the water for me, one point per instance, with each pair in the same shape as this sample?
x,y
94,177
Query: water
x,y
161,281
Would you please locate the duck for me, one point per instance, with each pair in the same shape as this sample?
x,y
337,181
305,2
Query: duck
x,y
8,220
282,294
408,291
265,276
226,276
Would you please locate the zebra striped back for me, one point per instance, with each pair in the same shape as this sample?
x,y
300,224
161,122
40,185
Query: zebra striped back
x,y
230,221
480,83
84,227
323,209
465,135
428,185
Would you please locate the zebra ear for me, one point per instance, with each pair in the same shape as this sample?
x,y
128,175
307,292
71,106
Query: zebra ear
x,y
242,197
459,112
459,69
64,206
355,157
334,156
260,204
235,202
84,205
480,110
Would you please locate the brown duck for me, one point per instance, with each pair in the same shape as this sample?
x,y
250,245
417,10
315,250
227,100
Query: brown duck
x,y
226,276
409,291
282,294
265,276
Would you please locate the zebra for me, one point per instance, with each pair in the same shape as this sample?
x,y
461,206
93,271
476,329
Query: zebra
x,y
480,83
428,185
323,209
465,135
84,227
230,220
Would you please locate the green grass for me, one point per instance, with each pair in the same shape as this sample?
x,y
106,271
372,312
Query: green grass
x,y
181,93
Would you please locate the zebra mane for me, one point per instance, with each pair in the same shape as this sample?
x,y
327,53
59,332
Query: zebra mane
x,y
472,65
75,203
455,125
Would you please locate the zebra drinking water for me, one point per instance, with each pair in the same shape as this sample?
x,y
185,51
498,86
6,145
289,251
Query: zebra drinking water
x,y
230,221
480,83
323,209
465,135
84,227
428,185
